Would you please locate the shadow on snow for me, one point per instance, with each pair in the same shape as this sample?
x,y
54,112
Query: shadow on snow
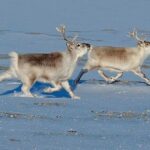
x,y
38,87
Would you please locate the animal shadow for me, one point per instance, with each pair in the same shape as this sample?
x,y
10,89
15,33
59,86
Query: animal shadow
x,y
37,89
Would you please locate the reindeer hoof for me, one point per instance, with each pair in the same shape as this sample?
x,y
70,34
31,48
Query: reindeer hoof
x,y
110,81
29,95
148,83
75,97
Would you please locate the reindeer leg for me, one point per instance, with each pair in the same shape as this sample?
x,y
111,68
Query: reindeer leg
x,y
6,75
103,75
82,72
139,73
67,87
113,79
27,83
26,89
56,87
88,67
109,79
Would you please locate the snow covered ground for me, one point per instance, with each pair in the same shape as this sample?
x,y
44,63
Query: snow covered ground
x,y
108,116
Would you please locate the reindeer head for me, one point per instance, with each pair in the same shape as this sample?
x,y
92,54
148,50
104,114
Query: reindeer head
x,y
73,46
141,42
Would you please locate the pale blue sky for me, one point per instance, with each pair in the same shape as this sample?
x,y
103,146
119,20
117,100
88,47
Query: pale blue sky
x,y
45,15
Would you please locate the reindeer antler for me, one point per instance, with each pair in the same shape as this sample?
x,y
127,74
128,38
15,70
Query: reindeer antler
x,y
62,30
134,35
74,38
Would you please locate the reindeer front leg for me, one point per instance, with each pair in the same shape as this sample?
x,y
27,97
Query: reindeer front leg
x,y
88,67
67,87
103,75
109,79
113,79
82,72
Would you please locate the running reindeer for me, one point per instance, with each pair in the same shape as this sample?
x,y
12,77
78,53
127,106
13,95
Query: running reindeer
x,y
55,68
118,59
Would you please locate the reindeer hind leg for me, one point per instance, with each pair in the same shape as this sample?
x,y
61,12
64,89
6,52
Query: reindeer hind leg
x,y
56,87
6,75
27,84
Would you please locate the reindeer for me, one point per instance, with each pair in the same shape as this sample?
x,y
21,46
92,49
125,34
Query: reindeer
x,y
55,67
118,59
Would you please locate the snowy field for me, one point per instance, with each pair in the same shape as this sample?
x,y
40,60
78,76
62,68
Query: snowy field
x,y
108,116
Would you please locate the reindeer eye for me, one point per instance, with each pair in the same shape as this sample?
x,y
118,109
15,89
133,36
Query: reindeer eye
x,y
78,45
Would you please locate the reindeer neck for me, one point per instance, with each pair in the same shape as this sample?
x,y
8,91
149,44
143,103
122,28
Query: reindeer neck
x,y
73,55
147,52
